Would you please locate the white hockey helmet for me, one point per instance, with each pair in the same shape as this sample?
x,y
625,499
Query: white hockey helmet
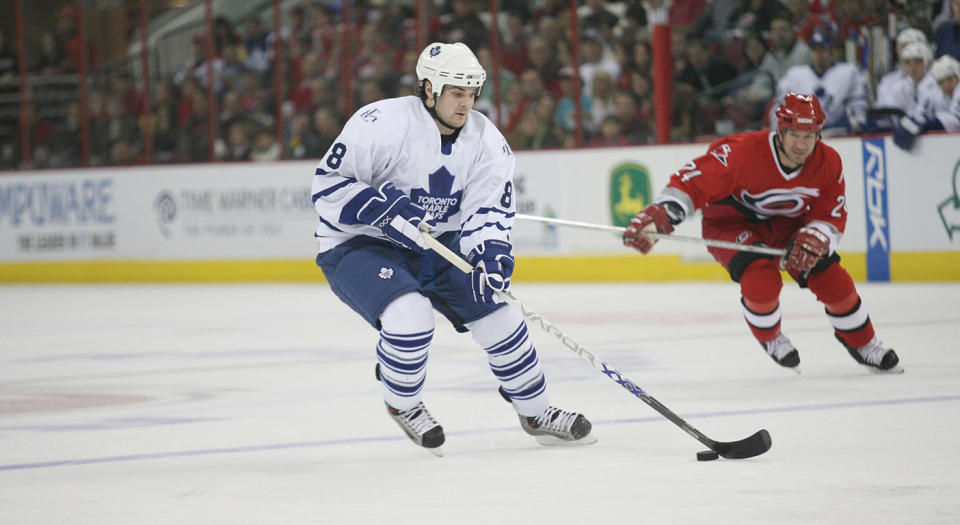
x,y
917,50
944,67
910,35
452,64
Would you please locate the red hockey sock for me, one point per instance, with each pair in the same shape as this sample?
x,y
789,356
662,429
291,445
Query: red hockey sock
x,y
760,287
835,289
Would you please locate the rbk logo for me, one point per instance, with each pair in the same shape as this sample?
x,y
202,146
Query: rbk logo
x,y
439,199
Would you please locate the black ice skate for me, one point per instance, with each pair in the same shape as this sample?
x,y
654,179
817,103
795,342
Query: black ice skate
x,y
875,357
420,426
782,351
558,427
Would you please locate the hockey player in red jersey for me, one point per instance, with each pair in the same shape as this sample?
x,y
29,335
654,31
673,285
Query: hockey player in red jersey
x,y
783,189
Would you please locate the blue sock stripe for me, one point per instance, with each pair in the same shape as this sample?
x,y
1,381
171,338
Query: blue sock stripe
x,y
402,390
406,343
412,334
512,341
516,368
538,387
400,367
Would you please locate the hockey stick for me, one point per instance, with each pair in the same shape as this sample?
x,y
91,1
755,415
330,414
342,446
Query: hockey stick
x,y
748,447
671,237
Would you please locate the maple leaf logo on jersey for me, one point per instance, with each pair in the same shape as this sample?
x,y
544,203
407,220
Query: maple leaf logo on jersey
x,y
386,273
438,199
790,202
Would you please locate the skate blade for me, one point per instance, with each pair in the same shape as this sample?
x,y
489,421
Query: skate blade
x,y
436,451
897,369
553,441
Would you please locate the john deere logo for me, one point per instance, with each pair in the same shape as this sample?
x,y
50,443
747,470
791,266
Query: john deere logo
x,y
629,192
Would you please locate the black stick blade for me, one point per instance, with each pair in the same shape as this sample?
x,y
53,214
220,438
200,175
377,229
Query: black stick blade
x,y
747,447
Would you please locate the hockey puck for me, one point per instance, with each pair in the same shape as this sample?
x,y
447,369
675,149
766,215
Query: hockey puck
x,y
707,455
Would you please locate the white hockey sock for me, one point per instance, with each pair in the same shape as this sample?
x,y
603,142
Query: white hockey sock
x,y
405,335
513,359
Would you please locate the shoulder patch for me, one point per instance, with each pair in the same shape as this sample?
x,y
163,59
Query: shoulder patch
x,y
370,115
721,153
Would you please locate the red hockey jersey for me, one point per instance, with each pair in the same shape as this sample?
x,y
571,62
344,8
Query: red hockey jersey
x,y
742,172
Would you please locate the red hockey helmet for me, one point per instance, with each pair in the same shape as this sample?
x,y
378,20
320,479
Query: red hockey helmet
x,y
800,112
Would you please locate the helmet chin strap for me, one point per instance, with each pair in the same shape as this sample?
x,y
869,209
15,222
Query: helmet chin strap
x,y
433,111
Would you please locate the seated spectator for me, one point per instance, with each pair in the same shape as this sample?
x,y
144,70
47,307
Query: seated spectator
x,y
602,101
196,66
119,126
50,56
565,115
485,103
716,20
532,133
513,50
531,90
542,57
746,105
464,25
611,134
265,146
641,86
707,71
634,127
65,151
600,18
224,35
237,146
785,52
301,141
255,42
326,126
756,15
595,57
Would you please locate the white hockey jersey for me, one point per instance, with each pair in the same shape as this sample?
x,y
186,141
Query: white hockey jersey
x,y
950,117
842,91
466,185
897,90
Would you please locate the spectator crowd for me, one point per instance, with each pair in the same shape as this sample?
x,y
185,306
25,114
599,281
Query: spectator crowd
x,y
731,60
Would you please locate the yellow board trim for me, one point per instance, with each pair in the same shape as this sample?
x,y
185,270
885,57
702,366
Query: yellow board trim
x,y
910,266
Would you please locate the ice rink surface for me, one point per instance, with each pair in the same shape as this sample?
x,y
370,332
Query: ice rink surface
x,y
257,404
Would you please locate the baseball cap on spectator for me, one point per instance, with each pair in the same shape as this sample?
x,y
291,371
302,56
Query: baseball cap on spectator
x,y
821,38
592,35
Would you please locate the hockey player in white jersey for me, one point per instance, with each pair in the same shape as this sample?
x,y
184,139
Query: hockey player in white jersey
x,y
840,87
398,164
941,108
901,89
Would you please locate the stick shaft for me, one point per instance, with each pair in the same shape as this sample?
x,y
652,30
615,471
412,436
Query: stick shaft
x,y
670,237
575,346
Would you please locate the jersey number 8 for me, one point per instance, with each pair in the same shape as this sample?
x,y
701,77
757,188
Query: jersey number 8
x,y
336,155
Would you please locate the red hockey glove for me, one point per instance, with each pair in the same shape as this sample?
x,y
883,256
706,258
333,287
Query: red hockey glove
x,y
653,218
806,248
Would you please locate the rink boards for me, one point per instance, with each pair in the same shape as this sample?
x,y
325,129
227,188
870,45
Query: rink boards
x,y
254,221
